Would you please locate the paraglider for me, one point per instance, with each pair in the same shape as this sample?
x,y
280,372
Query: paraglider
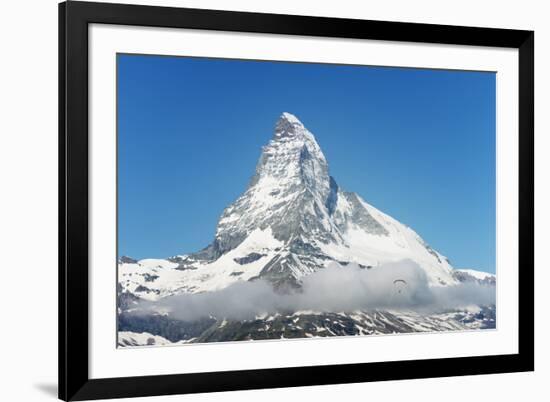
x,y
399,285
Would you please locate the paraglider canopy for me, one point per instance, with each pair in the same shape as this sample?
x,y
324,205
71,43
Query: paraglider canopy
x,y
399,285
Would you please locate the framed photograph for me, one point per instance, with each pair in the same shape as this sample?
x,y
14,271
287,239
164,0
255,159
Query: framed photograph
x,y
257,200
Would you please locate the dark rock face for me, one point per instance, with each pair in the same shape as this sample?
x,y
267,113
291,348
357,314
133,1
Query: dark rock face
x,y
465,277
144,289
150,278
359,216
127,260
249,258
127,300
171,329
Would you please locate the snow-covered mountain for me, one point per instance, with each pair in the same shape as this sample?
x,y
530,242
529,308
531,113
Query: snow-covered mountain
x,y
471,275
302,325
292,220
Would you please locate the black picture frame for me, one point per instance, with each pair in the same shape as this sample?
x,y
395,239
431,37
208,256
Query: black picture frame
x,y
74,381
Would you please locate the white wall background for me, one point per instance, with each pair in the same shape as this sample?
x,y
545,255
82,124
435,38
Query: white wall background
x,y
28,197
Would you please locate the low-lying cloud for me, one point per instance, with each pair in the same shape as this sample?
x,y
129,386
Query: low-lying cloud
x,y
399,285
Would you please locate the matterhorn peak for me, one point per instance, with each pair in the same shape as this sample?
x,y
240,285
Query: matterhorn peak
x,y
293,158
307,219
289,125
291,132
290,118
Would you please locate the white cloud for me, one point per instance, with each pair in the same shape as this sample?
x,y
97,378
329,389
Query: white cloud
x,y
399,285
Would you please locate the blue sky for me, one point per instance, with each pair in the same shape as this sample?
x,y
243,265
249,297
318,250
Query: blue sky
x,y
417,144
